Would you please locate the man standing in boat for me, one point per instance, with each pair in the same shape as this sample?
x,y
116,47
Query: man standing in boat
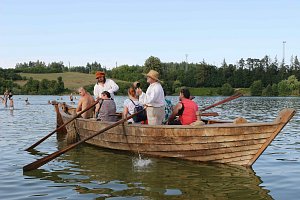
x,y
104,84
85,101
153,98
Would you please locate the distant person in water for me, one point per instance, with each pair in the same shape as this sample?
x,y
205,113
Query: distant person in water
x,y
5,98
10,94
71,98
85,101
11,101
26,101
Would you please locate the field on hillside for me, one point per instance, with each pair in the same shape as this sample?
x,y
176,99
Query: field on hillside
x,y
72,80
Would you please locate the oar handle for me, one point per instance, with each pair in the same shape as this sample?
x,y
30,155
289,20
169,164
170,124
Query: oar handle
x,y
36,164
78,115
223,101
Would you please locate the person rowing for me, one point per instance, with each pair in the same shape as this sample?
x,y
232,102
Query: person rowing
x,y
86,100
186,109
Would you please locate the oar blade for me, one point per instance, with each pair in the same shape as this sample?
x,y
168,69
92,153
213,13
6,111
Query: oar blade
x,y
45,137
36,164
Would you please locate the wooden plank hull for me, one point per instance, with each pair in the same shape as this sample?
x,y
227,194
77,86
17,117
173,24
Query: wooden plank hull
x,y
239,144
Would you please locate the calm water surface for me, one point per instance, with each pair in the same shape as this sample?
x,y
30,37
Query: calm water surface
x,y
92,173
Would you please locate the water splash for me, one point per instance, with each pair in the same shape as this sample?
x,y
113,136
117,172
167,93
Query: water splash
x,y
140,163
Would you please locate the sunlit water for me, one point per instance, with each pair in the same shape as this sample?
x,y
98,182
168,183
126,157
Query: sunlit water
x,y
87,172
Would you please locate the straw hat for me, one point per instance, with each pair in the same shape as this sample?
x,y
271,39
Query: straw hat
x,y
153,74
99,74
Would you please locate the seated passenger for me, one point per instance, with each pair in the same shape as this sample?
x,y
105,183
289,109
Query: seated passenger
x,y
107,108
168,109
130,103
85,101
186,109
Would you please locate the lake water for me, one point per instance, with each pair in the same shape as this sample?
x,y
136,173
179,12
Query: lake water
x,y
87,172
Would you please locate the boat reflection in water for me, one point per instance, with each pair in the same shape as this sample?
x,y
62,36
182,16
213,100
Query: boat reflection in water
x,y
104,174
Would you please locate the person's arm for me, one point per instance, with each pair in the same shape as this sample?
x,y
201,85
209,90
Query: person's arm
x,y
113,87
176,109
96,92
79,107
125,112
150,96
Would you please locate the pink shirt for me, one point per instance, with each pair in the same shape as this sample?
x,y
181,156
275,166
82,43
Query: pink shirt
x,y
189,113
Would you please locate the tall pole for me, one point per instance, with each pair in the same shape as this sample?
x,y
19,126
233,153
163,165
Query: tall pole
x,y
186,62
283,51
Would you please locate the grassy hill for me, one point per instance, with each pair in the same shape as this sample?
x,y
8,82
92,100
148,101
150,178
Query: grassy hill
x,y
72,80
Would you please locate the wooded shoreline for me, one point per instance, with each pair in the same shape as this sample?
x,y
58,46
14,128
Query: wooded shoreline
x,y
255,77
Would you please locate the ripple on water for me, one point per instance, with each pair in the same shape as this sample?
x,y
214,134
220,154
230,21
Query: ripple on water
x,y
87,172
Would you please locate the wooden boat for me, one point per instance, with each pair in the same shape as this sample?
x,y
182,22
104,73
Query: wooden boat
x,y
238,143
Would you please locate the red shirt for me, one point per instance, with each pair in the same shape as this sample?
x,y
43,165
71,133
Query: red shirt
x,y
189,113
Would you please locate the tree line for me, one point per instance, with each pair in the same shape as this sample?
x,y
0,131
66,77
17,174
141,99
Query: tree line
x,y
264,77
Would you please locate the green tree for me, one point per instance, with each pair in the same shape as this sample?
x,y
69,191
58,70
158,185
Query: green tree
x,y
226,90
256,88
43,86
283,88
274,89
153,63
267,91
60,86
293,85
176,85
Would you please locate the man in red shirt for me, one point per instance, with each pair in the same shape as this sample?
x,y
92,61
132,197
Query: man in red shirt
x,y
186,109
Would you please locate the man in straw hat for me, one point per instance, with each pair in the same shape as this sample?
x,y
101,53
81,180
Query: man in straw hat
x,y
153,98
102,85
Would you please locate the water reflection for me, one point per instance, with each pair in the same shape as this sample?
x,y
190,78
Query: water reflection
x,y
90,173
105,173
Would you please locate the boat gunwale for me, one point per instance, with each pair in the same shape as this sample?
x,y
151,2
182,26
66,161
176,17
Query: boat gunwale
x,y
222,124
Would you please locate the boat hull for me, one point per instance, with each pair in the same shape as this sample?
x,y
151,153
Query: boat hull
x,y
228,143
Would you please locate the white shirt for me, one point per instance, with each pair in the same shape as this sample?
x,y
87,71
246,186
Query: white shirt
x,y
109,86
130,106
154,95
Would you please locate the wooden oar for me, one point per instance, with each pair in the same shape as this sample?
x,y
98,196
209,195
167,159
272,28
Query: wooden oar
x,y
44,138
235,96
211,114
50,157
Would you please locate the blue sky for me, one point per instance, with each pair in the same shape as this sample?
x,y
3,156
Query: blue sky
x,y
129,31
